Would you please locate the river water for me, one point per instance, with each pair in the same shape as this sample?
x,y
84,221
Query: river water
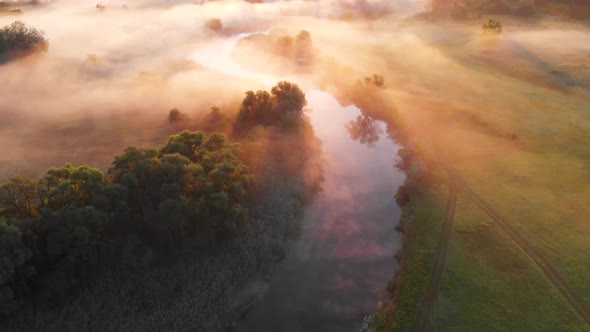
x,y
340,266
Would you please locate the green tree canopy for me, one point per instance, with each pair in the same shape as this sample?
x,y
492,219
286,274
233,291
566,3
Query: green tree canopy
x,y
18,198
69,186
283,105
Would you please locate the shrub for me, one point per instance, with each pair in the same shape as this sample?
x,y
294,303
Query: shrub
x,y
492,26
214,24
17,40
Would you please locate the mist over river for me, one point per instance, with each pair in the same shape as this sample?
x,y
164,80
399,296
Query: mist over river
x,y
340,266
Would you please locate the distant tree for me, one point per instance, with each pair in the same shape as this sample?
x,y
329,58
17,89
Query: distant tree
x,y
303,45
214,24
216,120
376,80
17,40
285,47
492,26
175,115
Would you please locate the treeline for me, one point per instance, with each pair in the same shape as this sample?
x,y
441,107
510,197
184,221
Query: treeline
x,y
285,52
192,192
55,229
463,9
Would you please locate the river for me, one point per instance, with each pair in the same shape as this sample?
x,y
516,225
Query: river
x,y
340,266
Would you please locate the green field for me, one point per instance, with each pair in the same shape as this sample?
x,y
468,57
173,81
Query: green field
x,y
511,114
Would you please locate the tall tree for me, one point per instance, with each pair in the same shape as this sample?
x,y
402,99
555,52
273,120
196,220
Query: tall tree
x,y
18,198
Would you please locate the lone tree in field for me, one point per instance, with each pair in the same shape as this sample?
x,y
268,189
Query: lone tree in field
x,y
492,26
18,40
214,24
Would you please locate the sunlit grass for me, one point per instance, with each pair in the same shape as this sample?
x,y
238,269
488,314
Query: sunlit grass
x,y
490,285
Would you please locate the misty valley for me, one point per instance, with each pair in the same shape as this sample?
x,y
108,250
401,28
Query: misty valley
x,y
294,165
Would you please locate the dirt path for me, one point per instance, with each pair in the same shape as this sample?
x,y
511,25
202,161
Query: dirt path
x,y
456,183
551,273
424,319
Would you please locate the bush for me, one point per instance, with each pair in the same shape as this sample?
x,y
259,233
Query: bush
x,y
18,40
214,24
492,26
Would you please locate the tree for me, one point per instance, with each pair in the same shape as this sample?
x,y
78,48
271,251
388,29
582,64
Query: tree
x,y
176,115
492,26
134,169
193,177
288,97
14,265
69,186
285,47
303,46
216,120
18,198
289,101
17,40
71,240
256,108
284,106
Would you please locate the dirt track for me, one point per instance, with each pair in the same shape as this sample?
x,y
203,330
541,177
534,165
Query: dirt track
x,y
456,183
424,321
551,273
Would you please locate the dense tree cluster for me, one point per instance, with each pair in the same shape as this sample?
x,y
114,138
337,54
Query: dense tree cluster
x,y
53,231
190,194
298,48
276,51
18,39
282,106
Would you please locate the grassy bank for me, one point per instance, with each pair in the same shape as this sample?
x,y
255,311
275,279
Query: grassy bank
x,y
419,218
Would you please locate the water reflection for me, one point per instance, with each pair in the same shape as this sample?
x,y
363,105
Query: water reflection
x,y
364,129
340,266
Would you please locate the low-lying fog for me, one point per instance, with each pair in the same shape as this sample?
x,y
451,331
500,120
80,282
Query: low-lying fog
x,y
111,75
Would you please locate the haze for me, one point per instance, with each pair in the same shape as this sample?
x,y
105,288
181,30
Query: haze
x,y
499,124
